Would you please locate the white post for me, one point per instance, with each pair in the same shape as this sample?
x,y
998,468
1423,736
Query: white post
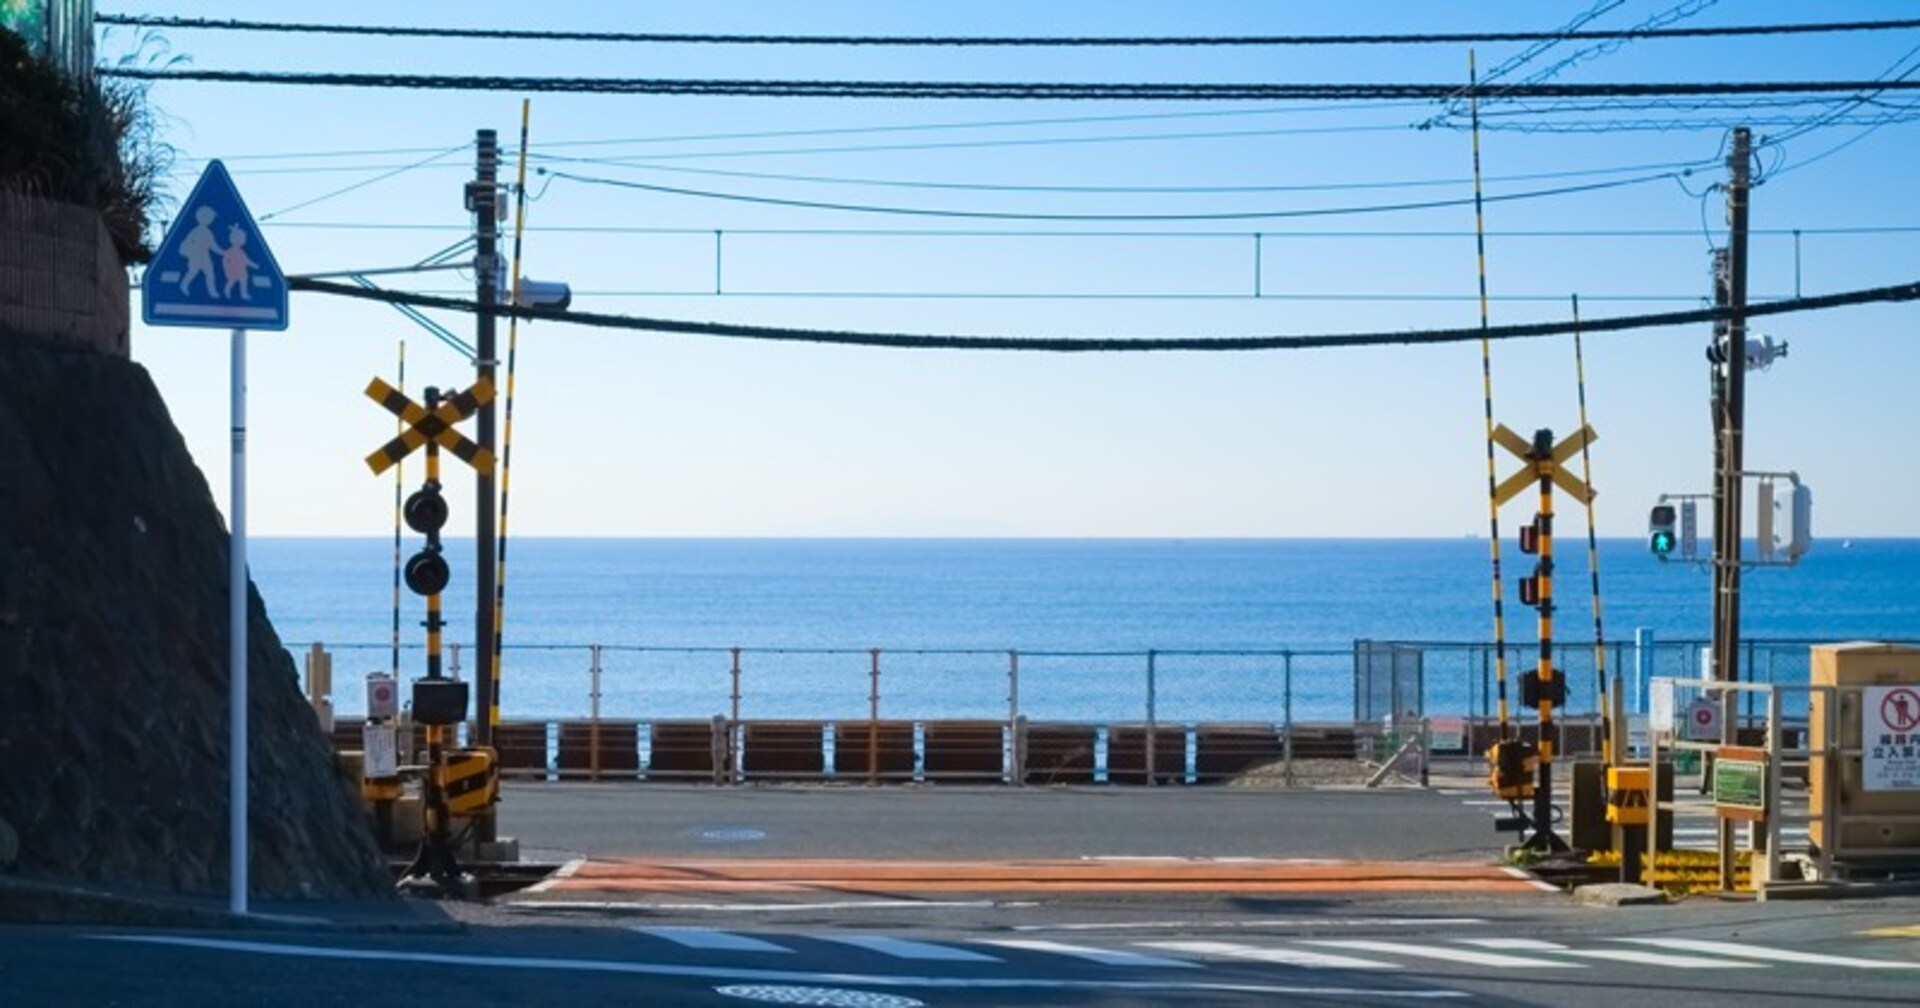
x,y
237,656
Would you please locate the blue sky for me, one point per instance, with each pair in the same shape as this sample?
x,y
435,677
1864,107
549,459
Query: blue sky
x,y
636,434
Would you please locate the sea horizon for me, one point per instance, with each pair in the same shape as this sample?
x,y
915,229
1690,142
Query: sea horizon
x,y
663,613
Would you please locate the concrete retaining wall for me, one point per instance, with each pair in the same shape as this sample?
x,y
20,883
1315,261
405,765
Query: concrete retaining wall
x,y
60,278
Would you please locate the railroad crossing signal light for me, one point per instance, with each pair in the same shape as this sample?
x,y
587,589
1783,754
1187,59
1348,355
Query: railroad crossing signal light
x,y
1530,536
426,572
426,510
1661,537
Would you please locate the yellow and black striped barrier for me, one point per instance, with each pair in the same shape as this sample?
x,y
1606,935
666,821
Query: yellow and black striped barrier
x,y
470,780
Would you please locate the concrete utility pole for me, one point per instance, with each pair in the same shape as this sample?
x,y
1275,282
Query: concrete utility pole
x,y
483,198
1728,437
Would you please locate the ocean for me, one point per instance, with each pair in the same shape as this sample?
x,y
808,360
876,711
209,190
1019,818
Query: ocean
x,y
1241,630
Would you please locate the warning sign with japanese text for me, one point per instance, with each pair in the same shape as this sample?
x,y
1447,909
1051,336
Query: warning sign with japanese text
x,y
1890,738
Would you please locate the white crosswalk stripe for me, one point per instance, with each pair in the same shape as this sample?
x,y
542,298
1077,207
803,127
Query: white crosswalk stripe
x,y
1374,954
1613,955
1744,951
1283,956
1515,944
1106,957
711,940
901,948
1444,954
1659,959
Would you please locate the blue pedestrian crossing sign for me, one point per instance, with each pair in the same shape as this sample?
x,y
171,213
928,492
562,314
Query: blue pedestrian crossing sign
x,y
213,270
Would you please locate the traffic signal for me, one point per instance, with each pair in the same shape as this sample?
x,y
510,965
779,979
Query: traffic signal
x,y
1661,537
1793,521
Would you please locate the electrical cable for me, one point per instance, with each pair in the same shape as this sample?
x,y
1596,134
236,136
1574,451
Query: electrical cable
x,y
362,184
1447,38
929,341
1552,39
1005,215
1355,233
1143,189
1052,141
978,90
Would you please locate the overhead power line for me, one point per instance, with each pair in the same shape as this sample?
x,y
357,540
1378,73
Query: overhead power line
x,y
925,341
1028,90
1236,234
1330,211
1135,190
1121,41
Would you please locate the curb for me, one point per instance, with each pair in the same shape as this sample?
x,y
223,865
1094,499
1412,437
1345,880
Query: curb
x,y
38,901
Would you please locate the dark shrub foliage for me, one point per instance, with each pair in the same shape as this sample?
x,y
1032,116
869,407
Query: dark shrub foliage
x,y
77,142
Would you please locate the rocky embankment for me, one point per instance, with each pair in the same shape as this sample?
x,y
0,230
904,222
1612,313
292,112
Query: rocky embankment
x,y
113,658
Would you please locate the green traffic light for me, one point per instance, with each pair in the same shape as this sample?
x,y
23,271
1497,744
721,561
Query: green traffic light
x,y
1662,542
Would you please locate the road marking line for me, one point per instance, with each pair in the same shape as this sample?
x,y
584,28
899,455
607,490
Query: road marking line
x,y
1286,956
1515,944
1106,957
901,948
1530,880
1742,951
711,940
489,961
1895,931
565,872
878,904
1445,954
1660,959
1263,923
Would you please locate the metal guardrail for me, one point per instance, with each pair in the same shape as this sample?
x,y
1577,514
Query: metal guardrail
x,y
1033,716
1371,681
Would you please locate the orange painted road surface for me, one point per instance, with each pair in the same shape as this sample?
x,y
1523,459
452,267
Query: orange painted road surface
x,y
1091,875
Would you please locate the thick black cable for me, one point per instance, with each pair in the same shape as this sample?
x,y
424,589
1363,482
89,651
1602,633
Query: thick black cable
x,y
1448,38
980,90
1333,211
921,341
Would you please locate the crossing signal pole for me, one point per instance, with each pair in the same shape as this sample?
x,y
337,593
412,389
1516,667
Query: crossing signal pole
x,y
463,782
1544,688
1729,417
483,199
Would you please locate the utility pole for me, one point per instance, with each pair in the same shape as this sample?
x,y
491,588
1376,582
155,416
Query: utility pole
x,y
483,199
1728,436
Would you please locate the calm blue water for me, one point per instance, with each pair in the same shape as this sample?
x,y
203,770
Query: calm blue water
x,y
668,610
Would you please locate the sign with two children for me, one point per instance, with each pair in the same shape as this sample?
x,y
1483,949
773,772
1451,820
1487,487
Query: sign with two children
x,y
213,269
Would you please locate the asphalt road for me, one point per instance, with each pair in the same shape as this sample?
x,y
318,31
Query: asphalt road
x,y
945,821
1379,953
1001,938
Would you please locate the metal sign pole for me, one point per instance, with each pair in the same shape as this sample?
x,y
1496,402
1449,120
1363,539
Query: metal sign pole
x,y
195,282
237,656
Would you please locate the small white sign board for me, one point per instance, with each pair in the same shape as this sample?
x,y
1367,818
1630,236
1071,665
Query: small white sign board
x,y
1890,738
1702,720
1660,706
381,755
